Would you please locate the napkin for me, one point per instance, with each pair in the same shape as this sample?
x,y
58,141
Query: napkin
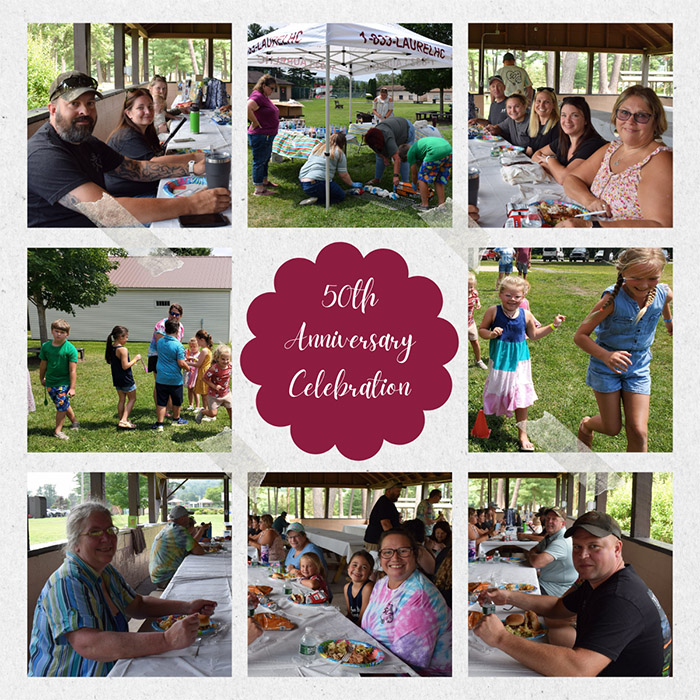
x,y
552,190
517,174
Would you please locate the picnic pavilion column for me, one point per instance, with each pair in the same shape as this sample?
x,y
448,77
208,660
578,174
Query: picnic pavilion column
x,y
601,491
81,47
569,493
132,480
210,57
645,69
119,57
582,483
134,56
97,485
145,77
640,520
227,502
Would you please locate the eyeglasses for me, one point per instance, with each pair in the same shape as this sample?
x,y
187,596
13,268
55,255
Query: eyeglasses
x,y
175,313
546,89
74,81
113,530
402,552
640,117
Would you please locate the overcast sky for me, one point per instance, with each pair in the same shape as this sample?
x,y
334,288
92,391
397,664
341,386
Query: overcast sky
x,y
63,481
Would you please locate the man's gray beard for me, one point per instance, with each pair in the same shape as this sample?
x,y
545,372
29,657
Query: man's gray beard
x,y
74,133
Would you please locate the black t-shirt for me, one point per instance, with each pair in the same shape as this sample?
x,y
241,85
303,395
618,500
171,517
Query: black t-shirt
x,y
584,150
384,509
132,144
497,112
622,620
542,139
55,168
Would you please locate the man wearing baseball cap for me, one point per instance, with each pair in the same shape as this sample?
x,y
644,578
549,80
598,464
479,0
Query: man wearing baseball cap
x,y
384,516
172,544
621,630
497,110
66,166
515,78
552,555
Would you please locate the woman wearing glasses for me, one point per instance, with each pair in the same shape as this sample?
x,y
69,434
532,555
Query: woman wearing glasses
x,y
406,612
575,140
631,179
81,618
544,118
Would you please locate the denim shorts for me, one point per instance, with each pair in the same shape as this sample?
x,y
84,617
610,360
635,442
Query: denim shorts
x,y
636,380
126,389
505,267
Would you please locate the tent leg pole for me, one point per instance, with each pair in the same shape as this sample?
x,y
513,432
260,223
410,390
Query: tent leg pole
x,y
328,119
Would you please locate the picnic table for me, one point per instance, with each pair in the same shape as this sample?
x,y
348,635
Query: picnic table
x,y
273,653
355,529
488,661
211,136
487,545
495,193
343,544
206,576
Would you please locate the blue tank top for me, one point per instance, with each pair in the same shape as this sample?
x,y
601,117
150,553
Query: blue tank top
x,y
355,602
618,331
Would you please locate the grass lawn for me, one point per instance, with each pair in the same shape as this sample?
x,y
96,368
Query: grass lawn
x,y
559,366
43,530
95,406
282,210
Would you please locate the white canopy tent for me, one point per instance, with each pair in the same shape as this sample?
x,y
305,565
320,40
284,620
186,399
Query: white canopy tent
x,y
346,49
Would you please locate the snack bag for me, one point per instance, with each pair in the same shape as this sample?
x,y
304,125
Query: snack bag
x,y
260,590
273,622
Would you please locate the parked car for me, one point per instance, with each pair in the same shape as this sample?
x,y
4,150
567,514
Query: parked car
x,y
549,254
579,254
599,256
488,254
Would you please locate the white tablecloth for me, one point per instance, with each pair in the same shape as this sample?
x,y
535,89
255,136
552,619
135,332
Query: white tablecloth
x,y
494,193
271,654
487,661
355,530
211,136
486,546
341,543
206,576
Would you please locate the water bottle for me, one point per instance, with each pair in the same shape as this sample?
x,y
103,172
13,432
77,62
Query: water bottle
x,y
194,119
264,554
307,646
533,219
251,608
472,550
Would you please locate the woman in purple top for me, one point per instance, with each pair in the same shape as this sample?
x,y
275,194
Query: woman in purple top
x,y
264,118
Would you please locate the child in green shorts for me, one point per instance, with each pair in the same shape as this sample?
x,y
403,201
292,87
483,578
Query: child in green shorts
x,y
434,155
57,372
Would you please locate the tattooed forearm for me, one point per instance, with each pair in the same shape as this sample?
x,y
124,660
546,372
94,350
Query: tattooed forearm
x,y
70,201
146,170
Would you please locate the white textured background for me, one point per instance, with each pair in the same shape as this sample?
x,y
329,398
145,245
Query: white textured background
x,y
440,255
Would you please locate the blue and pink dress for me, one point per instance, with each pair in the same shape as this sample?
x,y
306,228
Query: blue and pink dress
x,y
509,384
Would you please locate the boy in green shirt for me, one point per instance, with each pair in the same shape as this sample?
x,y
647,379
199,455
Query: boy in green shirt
x,y
435,158
57,372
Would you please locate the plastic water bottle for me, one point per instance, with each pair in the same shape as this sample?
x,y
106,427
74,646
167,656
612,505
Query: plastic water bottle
x,y
307,646
533,219
264,554
472,550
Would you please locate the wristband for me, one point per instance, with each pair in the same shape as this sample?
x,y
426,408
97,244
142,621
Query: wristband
x,y
596,224
552,326
669,320
546,158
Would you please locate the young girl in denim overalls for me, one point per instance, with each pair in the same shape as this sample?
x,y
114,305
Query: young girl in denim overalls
x,y
625,322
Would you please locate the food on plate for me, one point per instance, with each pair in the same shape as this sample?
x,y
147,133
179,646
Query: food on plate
x,y
272,621
359,653
474,617
165,623
260,590
297,598
278,576
554,212
519,587
524,624
477,587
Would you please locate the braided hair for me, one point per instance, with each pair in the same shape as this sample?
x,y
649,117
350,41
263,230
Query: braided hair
x,y
627,259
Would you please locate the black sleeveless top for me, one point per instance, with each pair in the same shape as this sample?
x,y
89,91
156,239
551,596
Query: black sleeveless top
x,y
355,602
120,377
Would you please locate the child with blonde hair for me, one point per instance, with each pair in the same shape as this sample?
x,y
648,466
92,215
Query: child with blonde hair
x,y
625,321
508,388
217,378
312,573
473,303
202,363
190,375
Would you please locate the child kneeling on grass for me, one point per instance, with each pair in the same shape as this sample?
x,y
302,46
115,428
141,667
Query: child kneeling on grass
x,y
57,372
171,362
435,158
217,378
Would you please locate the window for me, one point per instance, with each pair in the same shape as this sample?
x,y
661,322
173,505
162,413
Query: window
x,y
160,303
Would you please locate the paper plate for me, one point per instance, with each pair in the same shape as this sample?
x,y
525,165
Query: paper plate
x,y
569,205
375,657
156,624
184,186
522,587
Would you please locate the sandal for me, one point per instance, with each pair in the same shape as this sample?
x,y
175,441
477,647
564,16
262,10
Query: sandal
x,y
271,184
126,425
263,193
522,447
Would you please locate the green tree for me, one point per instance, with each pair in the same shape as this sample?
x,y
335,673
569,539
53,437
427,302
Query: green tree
x,y
41,71
422,81
49,492
215,493
63,278
117,490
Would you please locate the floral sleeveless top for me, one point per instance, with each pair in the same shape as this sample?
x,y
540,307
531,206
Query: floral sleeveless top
x,y
620,190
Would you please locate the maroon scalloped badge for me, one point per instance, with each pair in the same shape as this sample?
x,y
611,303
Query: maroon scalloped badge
x,y
349,351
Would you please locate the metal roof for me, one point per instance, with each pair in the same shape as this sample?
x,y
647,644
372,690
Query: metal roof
x,y
174,272
182,30
373,480
612,38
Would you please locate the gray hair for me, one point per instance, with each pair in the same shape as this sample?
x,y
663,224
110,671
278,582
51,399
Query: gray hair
x,y
76,519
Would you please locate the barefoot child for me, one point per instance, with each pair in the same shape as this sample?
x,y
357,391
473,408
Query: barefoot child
x,y
57,372
312,574
625,322
202,363
117,356
190,375
508,387
434,156
473,334
358,591
217,378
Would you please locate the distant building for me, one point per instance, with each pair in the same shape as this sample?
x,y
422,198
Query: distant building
x,y
282,92
146,289
400,94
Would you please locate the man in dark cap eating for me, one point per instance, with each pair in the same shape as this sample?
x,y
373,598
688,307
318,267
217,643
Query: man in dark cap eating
x,y
621,630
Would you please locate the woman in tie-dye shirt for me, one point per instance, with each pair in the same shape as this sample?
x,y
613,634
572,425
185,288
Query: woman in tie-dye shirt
x,y
406,613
